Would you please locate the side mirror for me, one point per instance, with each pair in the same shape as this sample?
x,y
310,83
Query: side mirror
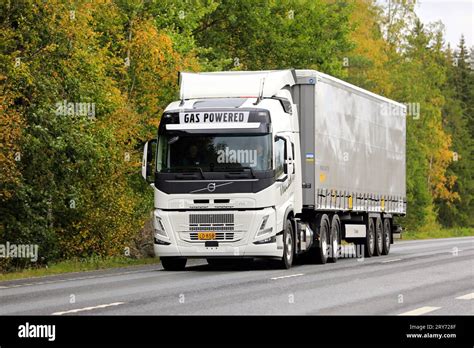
x,y
147,160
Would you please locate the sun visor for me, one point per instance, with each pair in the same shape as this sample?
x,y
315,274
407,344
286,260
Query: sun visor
x,y
234,84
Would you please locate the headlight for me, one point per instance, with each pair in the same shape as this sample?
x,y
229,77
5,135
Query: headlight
x,y
262,230
159,228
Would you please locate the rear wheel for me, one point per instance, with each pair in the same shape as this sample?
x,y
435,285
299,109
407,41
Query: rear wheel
x,y
335,238
386,236
173,263
319,253
369,243
288,246
378,237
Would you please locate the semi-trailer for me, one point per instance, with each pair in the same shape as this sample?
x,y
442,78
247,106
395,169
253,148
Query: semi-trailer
x,y
275,164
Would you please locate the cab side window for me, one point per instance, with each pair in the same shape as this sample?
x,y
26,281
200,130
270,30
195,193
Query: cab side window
x,y
280,154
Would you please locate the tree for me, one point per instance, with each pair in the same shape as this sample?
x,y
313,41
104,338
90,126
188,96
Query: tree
x,y
263,34
457,116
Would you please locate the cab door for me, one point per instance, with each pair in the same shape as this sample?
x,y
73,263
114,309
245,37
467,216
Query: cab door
x,y
284,176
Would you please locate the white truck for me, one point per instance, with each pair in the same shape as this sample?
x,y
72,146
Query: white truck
x,y
275,164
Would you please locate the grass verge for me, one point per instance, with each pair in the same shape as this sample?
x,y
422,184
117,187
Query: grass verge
x,y
77,265
439,233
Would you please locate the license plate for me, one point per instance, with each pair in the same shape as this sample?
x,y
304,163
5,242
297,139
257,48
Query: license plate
x,y
206,235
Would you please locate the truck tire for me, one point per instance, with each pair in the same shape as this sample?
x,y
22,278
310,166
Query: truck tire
x,y
173,263
369,242
288,246
335,238
387,228
378,236
319,253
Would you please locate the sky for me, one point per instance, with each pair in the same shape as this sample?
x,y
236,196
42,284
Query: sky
x,y
456,15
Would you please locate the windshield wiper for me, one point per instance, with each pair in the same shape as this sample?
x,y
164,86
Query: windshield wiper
x,y
240,169
184,169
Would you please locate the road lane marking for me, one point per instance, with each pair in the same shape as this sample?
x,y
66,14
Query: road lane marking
x,y
89,308
466,297
288,276
421,310
392,260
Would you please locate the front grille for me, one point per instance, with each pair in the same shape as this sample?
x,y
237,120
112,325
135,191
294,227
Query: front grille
x,y
219,236
211,218
223,225
211,222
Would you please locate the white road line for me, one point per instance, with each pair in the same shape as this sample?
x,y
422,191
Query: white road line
x,y
421,310
466,297
89,308
288,276
392,260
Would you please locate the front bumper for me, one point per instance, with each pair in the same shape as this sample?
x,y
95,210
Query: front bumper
x,y
238,240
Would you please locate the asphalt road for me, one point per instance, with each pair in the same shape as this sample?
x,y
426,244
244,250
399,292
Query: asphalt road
x,y
429,277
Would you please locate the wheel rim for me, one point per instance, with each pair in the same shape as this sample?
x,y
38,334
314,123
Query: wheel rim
x,y
371,240
380,238
289,246
335,243
324,242
387,236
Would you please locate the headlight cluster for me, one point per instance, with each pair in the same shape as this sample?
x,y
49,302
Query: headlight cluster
x,y
262,231
160,232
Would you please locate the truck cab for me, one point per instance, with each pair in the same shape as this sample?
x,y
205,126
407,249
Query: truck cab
x,y
223,169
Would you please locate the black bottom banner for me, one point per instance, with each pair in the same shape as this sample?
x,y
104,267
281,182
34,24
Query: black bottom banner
x,y
243,331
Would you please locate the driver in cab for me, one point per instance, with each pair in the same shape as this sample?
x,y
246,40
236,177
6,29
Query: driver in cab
x,y
192,158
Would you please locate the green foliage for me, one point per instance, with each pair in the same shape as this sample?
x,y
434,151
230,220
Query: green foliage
x,y
265,34
79,193
458,117
439,233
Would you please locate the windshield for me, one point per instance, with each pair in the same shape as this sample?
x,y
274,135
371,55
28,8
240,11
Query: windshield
x,y
211,152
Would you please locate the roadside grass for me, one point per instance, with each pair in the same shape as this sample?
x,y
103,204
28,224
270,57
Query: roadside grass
x,y
77,265
439,233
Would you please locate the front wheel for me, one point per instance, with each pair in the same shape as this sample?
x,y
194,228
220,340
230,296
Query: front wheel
x,y
288,246
173,263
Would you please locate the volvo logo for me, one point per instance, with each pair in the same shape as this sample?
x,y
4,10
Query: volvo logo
x,y
211,187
